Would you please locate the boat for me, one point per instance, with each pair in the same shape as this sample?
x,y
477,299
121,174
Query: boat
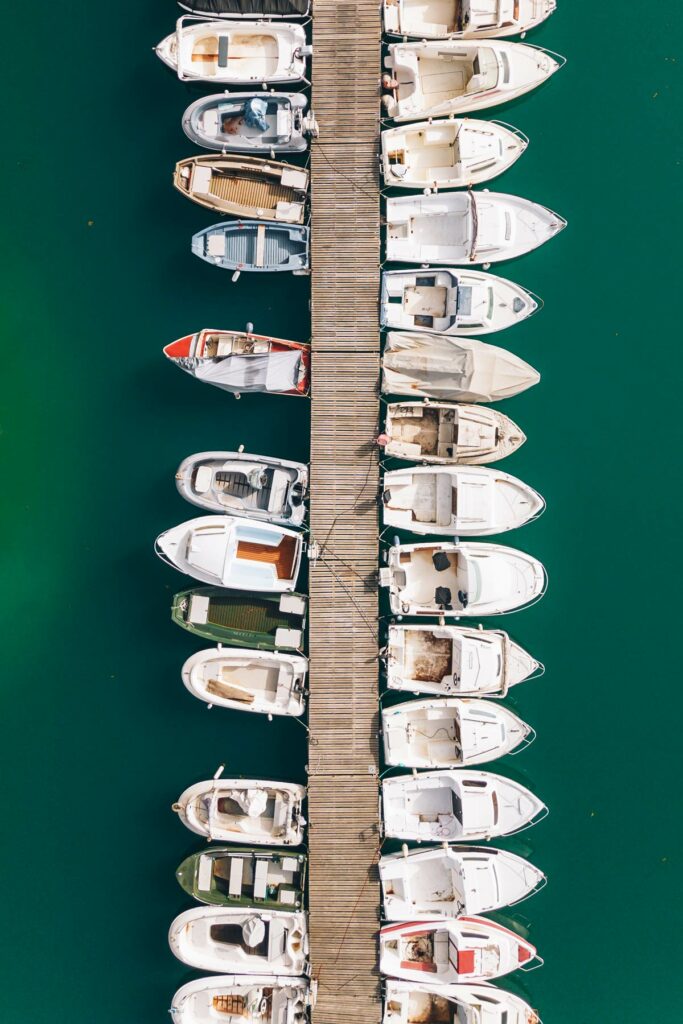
x,y
456,806
251,245
439,79
251,8
449,153
257,486
454,881
244,186
267,622
251,122
239,554
453,579
237,876
447,732
460,302
460,369
234,52
248,680
241,940
446,434
241,361
462,19
412,1003
244,811
240,999
450,952
466,227
455,660
470,501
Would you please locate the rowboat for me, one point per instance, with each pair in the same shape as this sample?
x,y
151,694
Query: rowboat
x,y
243,999
248,680
237,876
244,186
407,1002
267,622
251,122
462,19
251,8
246,941
244,811
251,245
442,434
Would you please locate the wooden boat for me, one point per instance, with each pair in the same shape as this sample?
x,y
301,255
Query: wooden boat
x,y
237,876
244,811
244,941
449,153
253,246
449,952
454,881
257,486
439,79
248,680
460,369
234,52
452,579
455,660
250,8
234,122
466,227
240,361
267,622
469,501
462,19
459,302
245,186
442,434
407,1002
243,999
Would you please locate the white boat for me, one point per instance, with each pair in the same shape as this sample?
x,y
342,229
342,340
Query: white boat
x,y
251,122
244,811
457,369
256,486
461,302
470,501
451,882
456,661
239,999
449,153
443,434
241,940
466,227
238,554
453,580
439,79
245,680
464,19
456,806
234,52
471,949
413,1003
447,732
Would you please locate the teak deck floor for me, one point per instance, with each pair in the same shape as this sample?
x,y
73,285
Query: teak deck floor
x,y
343,755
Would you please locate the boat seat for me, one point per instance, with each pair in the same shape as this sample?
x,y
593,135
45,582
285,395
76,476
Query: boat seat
x,y
288,638
215,246
210,121
201,179
236,873
260,257
223,42
279,484
284,686
289,213
294,177
280,816
283,123
203,479
292,604
261,879
444,500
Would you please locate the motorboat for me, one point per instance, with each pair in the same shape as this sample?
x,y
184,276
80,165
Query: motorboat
x,y
244,186
407,1002
456,806
462,19
244,811
457,369
257,486
241,940
237,876
469,501
267,622
460,302
443,434
454,881
466,227
241,362
449,153
243,999
251,8
456,661
251,122
235,52
452,579
251,245
442,78
239,554
248,680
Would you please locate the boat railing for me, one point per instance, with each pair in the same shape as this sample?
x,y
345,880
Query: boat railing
x,y
536,820
162,554
550,53
512,128
540,884
233,16
526,742
532,965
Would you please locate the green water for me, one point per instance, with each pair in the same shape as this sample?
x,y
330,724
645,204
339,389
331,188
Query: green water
x,y
98,734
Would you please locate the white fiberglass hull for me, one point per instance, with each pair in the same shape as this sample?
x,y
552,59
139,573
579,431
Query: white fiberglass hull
x,y
446,434
263,999
453,19
243,940
244,811
412,1003
248,680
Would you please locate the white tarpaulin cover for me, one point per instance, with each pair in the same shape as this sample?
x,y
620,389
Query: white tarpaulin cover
x,y
269,371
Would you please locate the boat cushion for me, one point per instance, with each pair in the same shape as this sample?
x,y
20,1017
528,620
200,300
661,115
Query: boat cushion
x,y
283,123
465,961
290,864
278,491
425,300
294,177
288,638
204,874
292,604
260,878
290,213
201,178
203,479
223,42
287,896
210,121
444,499
215,246
236,871
198,613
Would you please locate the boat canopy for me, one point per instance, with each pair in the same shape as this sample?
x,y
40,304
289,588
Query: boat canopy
x,y
273,371
249,8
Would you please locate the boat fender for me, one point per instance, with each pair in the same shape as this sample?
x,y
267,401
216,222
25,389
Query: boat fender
x,y
463,598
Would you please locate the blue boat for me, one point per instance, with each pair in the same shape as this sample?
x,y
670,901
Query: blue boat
x,y
252,245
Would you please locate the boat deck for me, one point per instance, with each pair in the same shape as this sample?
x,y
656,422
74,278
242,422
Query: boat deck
x,y
343,706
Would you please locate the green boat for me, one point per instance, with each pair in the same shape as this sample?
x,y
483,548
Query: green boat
x,y
265,622
233,876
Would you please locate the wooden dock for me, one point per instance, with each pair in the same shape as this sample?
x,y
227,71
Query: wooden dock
x,y
343,707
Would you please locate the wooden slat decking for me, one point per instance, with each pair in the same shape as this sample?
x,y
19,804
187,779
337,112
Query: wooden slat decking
x,y
343,705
